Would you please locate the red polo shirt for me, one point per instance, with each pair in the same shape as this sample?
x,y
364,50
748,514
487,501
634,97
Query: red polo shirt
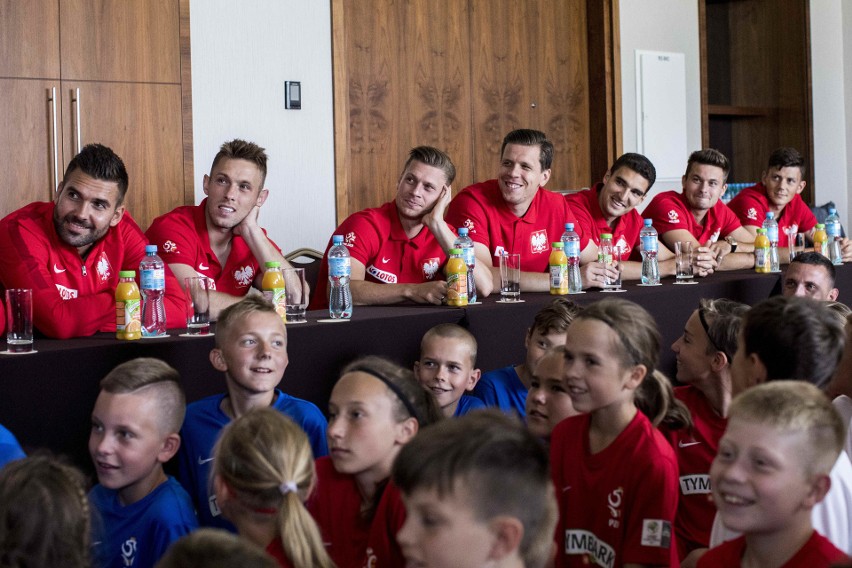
x,y
587,208
751,204
670,211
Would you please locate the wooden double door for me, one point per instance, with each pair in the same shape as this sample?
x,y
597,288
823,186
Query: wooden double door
x,y
75,72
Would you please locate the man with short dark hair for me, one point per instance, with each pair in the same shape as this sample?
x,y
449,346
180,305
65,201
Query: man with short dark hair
x,y
220,238
514,213
399,250
697,214
810,275
70,251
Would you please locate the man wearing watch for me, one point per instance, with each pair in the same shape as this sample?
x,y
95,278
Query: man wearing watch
x,y
698,215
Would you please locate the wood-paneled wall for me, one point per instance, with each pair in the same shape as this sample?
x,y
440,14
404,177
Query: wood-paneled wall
x,y
459,75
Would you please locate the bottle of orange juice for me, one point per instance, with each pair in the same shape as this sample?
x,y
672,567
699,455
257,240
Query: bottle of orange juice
x,y
274,288
456,279
761,252
821,240
128,307
558,270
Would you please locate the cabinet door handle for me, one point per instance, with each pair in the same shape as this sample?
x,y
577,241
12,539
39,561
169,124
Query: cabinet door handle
x,y
55,140
78,127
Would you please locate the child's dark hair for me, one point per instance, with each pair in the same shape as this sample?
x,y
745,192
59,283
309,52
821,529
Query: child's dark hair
x,y
721,319
555,317
265,460
656,399
498,464
795,338
411,399
215,548
44,514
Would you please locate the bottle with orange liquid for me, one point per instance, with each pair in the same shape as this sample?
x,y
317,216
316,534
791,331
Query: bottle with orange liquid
x,y
558,270
274,288
456,279
821,240
761,252
128,307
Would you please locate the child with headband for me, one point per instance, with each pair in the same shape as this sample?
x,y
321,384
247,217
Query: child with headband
x,y
262,474
376,407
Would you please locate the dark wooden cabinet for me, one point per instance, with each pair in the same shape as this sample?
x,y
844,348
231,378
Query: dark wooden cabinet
x,y
756,82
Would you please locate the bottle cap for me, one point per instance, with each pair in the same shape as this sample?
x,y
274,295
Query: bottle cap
x,y
455,251
463,231
648,222
273,264
557,245
832,210
820,226
569,226
770,215
151,248
761,231
127,274
337,239
606,236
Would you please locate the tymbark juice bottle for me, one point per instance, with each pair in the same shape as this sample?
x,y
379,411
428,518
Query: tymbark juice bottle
x,y
456,279
274,288
128,308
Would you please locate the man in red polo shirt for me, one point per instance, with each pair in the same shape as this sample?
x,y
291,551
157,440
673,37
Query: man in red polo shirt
x,y
399,249
610,207
220,238
70,251
699,216
515,214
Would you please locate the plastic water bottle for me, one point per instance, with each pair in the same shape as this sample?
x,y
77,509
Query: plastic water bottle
x,y
339,271
571,246
771,226
152,278
832,229
648,245
465,243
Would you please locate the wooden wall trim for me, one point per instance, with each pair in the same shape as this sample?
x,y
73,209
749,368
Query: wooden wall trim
x,y
340,82
604,43
702,55
186,104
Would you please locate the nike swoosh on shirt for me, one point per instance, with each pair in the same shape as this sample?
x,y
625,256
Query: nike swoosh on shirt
x,y
385,260
203,461
58,270
202,267
681,444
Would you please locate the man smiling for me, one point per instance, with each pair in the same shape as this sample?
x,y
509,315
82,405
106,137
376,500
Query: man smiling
x,y
221,238
70,251
697,214
399,249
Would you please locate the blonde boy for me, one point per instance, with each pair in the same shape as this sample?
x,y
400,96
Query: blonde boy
x,y
447,368
135,425
477,492
773,466
251,351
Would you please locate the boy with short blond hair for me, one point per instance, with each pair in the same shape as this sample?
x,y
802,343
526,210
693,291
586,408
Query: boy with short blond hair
x,y
477,491
135,425
772,468
447,367
251,350
507,388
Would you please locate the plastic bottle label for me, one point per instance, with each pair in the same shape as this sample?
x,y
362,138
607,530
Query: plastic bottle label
x,y
772,234
558,278
153,279
278,298
572,248
649,243
457,289
339,267
128,317
761,259
833,229
469,256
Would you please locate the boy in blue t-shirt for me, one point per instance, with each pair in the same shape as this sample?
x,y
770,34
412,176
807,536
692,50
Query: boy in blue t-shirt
x,y
140,510
10,449
507,388
251,349
447,367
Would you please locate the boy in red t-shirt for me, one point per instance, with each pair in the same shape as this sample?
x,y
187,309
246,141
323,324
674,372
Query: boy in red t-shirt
x,y
773,466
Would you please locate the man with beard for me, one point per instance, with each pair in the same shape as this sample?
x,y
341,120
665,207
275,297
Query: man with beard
x,y
70,251
399,249
220,238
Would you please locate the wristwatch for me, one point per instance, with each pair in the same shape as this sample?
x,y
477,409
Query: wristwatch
x,y
731,241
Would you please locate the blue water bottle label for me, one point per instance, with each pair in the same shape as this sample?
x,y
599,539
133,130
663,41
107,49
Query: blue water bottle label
x,y
469,256
572,248
772,234
649,243
154,279
339,267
